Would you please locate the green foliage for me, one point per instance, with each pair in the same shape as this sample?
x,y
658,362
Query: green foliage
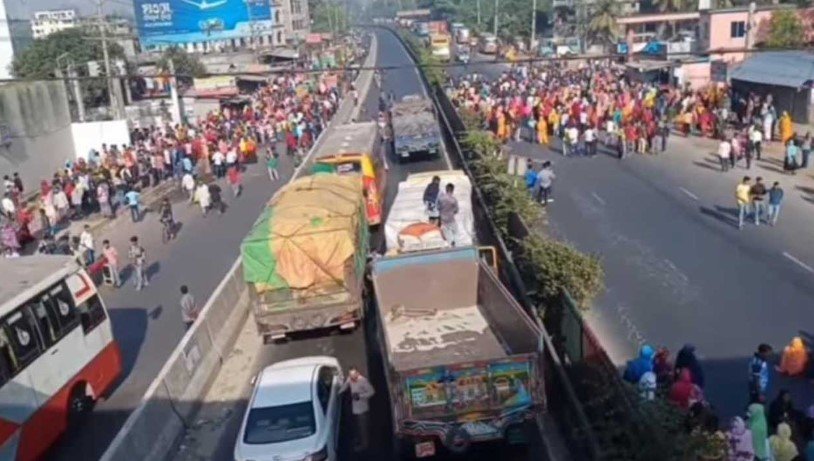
x,y
187,65
328,16
472,118
429,63
40,59
602,26
549,266
785,30
514,17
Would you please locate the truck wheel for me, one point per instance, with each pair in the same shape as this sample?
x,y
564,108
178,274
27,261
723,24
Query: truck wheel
x,y
457,440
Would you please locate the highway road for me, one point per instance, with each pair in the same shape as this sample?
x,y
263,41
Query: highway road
x,y
147,324
678,270
359,348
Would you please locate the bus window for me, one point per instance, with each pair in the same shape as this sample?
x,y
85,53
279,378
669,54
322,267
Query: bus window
x,y
92,313
7,362
22,338
61,310
46,325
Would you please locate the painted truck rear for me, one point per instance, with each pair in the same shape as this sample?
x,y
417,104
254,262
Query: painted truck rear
x,y
462,359
304,259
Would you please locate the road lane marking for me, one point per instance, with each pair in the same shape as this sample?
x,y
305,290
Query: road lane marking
x,y
689,194
791,258
598,198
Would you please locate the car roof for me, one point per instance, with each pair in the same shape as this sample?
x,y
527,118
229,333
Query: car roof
x,y
284,385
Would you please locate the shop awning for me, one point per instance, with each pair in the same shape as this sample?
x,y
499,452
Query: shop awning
x,y
792,69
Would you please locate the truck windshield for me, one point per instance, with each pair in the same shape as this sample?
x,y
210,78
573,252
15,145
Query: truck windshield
x,y
280,424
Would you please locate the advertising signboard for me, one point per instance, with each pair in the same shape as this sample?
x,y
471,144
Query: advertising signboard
x,y
165,22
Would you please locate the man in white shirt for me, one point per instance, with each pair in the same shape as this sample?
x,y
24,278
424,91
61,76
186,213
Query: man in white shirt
x,y
8,206
217,160
231,158
570,140
86,243
724,152
361,392
755,141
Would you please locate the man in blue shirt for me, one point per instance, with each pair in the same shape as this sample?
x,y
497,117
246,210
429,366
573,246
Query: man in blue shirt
x,y
759,374
775,199
132,198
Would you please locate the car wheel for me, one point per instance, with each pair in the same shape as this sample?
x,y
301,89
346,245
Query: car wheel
x,y
79,404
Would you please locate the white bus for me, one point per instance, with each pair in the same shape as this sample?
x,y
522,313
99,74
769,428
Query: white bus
x,y
57,352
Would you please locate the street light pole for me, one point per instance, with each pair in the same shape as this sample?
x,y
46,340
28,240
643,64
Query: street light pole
x,y
114,104
532,39
478,12
497,6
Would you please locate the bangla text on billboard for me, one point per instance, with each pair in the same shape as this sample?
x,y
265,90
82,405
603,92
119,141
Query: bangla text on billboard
x,y
184,21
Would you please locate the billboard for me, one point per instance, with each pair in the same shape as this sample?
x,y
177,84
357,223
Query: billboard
x,y
165,22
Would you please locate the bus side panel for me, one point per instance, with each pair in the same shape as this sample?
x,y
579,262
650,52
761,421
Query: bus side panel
x,y
51,420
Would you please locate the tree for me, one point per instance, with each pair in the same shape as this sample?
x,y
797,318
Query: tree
x,y
40,60
783,30
602,26
186,65
328,16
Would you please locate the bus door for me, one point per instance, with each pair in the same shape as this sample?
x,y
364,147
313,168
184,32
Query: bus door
x,y
92,313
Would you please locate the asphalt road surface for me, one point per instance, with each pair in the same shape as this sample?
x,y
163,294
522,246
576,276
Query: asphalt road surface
x,y
359,348
677,268
147,324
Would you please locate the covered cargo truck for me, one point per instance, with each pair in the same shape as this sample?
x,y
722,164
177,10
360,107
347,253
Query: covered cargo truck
x,y
462,360
304,259
415,130
408,228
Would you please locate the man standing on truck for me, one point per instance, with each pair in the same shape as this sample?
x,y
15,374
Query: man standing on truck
x,y
447,209
431,199
361,392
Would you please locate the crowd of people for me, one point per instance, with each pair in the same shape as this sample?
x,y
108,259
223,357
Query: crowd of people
x,y
291,110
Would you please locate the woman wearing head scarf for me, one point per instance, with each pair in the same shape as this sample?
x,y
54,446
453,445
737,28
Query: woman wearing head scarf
x,y
636,368
686,359
684,392
783,449
740,441
794,359
782,410
757,424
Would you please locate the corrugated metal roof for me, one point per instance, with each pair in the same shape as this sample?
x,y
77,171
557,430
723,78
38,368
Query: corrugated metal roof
x,y
781,68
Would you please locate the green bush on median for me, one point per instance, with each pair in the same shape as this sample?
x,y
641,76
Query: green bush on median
x,y
549,266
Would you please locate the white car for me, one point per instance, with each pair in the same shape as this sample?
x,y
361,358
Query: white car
x,y
293,413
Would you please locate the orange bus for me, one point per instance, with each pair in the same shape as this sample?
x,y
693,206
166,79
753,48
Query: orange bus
x,y
355,149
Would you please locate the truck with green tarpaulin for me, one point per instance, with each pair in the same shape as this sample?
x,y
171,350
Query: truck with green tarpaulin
x,y
304,258
463,362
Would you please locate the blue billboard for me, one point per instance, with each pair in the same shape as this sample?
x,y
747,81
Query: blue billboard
x,y
165,22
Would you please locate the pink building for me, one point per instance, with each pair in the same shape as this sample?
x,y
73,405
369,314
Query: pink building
x,y
728,28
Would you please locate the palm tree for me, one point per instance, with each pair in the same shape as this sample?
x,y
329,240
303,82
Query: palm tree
x,y
602,27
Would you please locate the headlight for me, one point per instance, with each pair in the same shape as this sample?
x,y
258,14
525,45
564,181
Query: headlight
x,y
321,455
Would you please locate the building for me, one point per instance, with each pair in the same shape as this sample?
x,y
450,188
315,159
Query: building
x,y
728,28
46,23
296,19
15,33
206,25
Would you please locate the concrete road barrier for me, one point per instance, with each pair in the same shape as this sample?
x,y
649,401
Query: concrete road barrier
x,y
171,402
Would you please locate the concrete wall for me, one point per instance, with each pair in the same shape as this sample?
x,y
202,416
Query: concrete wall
x,y
37,120
91,135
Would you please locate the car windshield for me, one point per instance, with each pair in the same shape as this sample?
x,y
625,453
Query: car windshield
x,y
280,424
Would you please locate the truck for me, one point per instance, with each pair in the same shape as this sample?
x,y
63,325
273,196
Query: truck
x,y
462,36
407,228
438,27
462,53
304,258
488,44
441,46
415,129
462,361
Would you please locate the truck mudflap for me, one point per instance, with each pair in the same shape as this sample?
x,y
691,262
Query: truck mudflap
x,y
277,325
457,437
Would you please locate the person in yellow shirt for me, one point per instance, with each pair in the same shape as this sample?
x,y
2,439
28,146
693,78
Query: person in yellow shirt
x,y
542,131
743,197
786,127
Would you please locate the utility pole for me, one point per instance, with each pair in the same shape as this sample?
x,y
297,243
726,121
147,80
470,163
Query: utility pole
x,y
114,103
750,35
497,8
175,111
478,12
77,88
533,38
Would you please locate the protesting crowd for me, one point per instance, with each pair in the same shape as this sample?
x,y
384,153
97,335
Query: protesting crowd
x,y
291,110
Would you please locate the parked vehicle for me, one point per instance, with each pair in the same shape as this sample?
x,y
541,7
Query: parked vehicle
x,y
304,259
293,413
462,53
441,46
355,149
58,355
415,129
407,228
462,36
488,44
462,360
